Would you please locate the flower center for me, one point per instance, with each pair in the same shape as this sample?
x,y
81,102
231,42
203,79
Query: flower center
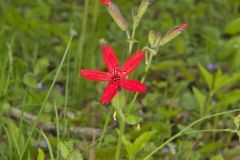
x,y
116,76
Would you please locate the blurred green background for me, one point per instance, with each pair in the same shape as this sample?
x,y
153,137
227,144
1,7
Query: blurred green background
x,y
34,36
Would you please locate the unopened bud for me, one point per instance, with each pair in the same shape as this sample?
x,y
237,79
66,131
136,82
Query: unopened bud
x,y
142,9
237,121
158,38
116,14
151,38
172,33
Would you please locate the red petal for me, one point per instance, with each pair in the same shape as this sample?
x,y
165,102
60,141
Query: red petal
x,y
132,62
110,59
133,85
109,92
95,75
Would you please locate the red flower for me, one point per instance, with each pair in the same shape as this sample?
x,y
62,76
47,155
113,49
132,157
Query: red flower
x,y
105,2
116,77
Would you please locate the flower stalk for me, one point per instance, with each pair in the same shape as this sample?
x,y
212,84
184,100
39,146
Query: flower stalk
x,y
118,103
136,21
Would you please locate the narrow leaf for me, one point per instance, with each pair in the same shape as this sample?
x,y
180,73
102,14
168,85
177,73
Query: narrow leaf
x,y
200,98
141,141
207,76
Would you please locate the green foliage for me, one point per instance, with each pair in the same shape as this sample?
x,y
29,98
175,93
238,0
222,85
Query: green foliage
x,y
196,74
29,80
207,76
138,144
40,155
201,99
233,26
217,157
67,151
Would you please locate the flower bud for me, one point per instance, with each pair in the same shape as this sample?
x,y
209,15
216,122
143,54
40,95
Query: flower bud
x,y
158,38
171,34
237,121
116,14
152,38
142,9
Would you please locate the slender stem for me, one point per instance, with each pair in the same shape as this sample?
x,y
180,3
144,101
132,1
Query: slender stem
x,y
66,98
132,38
142,80
121,132
210,130
57,127
186,128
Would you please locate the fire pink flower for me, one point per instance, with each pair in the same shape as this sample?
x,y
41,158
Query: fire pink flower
x,y
116,76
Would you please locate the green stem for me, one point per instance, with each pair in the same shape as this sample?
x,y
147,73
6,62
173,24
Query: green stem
x,y
121,132
132,38
142,80
210,130
186,128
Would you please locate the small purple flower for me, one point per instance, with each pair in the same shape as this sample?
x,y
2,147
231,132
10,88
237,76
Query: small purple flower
x,y
43,144
212,66
40,86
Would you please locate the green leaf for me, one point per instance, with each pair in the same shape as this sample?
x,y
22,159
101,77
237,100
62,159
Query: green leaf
x,y
40,155
67,151
233,27
63,149
225,80
130,119
230,97
207,76
141,141
128,146
219,79
75,155
200,98
29,80
41,65
211,147
217,157
188,102
118,103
